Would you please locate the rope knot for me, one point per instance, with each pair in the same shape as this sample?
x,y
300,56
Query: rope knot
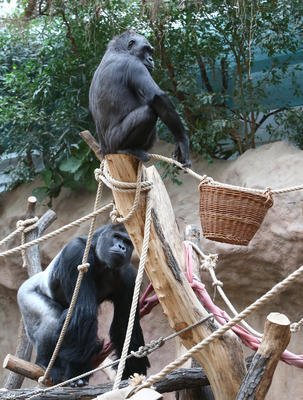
x,y
115,216
83,267
143,351
209,262
20,225
296,326
217,283
26,225
98,174
41,380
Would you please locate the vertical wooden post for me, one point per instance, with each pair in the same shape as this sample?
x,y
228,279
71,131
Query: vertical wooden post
x,y
24,348
223,359
274,341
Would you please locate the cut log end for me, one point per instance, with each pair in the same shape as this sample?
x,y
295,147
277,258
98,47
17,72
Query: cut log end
x,y
278,319
24,368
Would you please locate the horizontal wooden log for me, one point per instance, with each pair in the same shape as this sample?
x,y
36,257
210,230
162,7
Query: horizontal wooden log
x,y
24,368
178,379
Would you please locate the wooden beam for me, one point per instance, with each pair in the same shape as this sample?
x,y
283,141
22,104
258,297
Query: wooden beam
x,y
92,143
180,378
274,341
223,359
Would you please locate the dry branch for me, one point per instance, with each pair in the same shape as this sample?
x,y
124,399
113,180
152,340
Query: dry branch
x,y
178,379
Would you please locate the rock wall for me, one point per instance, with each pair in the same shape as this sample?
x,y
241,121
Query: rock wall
x,y
247,272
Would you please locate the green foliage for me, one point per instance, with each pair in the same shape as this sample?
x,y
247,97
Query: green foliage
x,y
209,52
205,53
46,69
289,124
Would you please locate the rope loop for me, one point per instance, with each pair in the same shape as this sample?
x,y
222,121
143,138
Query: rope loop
x,y
103,174
217,283
209,261
26,225
83,267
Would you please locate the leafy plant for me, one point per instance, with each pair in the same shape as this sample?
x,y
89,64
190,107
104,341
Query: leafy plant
x,y
207,58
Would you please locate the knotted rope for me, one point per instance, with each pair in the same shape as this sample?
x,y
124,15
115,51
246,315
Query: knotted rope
x,y
103,175
56,232
22,226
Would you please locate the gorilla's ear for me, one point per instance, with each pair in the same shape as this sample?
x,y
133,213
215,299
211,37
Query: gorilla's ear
x,y
130,44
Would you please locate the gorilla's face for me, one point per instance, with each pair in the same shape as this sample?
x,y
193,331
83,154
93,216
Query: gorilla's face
x,y
141,48
114,246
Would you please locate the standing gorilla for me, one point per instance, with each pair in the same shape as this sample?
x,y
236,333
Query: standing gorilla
x,y
126,102
44,298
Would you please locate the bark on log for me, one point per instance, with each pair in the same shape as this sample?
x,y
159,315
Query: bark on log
x,y
176,380
274,341
223,359
24,347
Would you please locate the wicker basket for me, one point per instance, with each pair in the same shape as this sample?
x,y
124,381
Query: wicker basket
x,y
231,215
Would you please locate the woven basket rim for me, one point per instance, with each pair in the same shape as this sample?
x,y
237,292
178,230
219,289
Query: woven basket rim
x,y
240,191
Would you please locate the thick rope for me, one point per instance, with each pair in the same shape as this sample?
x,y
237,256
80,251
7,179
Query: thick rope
x,y
21,226
57,231
219,332
82,268
136,294
206,179
118,186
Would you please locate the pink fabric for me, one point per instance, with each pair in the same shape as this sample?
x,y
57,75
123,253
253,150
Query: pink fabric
x,y
221,316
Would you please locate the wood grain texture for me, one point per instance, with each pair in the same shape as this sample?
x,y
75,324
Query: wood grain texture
x,y
223,359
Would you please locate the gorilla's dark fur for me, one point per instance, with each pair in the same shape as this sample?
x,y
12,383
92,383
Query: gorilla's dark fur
x,y
44,298
126,102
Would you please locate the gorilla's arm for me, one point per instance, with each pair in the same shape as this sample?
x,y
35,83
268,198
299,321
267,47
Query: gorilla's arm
x,y
122,304
146,88
81,340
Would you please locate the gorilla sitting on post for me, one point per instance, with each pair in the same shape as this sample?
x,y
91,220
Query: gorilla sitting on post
x,y
44,299
125,101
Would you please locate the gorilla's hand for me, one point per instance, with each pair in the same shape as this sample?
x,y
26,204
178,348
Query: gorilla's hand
x,y
181,154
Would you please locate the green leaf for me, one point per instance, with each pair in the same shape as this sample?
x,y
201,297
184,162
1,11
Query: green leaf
x,y
70,165
41,193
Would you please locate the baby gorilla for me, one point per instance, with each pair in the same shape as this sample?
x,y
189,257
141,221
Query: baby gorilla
x,y
44,299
